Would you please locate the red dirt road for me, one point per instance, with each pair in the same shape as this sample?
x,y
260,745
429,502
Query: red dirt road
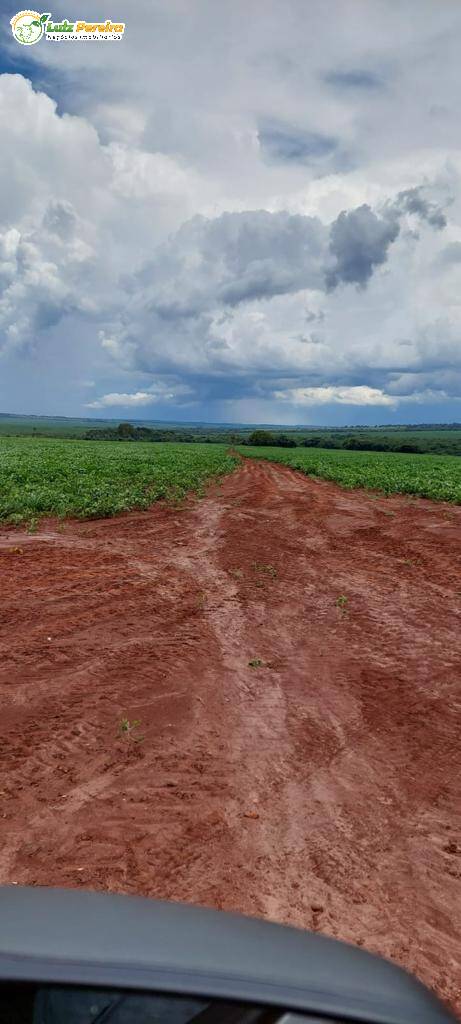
x,y
320,788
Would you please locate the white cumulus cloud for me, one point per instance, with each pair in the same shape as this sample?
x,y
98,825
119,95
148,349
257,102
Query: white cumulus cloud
x,y
359,395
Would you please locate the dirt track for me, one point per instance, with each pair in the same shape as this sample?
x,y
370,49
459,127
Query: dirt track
x,y
321,788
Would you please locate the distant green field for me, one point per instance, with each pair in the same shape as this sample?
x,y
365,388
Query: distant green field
x,y
430,476
84,478
48,426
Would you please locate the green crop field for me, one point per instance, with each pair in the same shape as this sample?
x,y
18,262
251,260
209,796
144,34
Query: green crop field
x,y
42,476
99,478
430,476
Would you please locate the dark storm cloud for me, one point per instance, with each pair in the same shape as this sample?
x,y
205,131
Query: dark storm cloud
x,y
236,258
412,200
172,311
359,242
357,78
259,282
285,143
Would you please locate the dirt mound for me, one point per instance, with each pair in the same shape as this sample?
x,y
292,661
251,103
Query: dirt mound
x,y
292,653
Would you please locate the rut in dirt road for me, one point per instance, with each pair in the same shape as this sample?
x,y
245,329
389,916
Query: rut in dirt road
x,y
317,786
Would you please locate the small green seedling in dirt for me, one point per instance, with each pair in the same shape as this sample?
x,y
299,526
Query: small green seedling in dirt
x,y
256,663
341,602
128,729
33,526
238,573
387,512
267,570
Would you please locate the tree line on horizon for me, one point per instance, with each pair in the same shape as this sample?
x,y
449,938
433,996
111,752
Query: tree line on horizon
x,y
356,440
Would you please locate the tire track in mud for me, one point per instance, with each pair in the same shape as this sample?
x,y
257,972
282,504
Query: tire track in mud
x,y
256,711
320,787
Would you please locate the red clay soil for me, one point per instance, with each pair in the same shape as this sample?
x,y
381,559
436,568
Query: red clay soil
x,y
320,786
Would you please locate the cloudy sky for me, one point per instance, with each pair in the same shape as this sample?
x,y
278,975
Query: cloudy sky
x,y
245,210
